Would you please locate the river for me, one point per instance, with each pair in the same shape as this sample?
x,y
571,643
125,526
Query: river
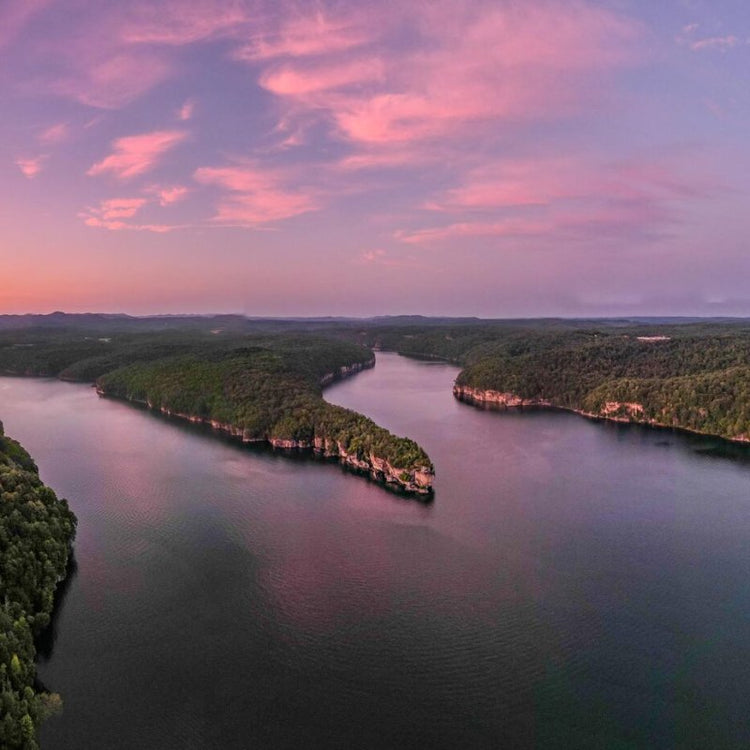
x,y
573,584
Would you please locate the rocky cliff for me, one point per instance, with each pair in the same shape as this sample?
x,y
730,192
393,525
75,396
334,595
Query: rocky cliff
x,y
610,411
498,399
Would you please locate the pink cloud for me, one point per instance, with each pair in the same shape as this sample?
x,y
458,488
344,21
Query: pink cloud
x,y
288,80
179,23
167,195
380,257
120,208
303,36
118,226
517,182
187,110
109,214
54,134
722,43
370,256
384,158
110,81
476,66
113,214
505,228
687,37
574,197
255,195
136,154
30,167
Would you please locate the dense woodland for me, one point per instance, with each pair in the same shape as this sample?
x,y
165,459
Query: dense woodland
x,y
267,387
36,533
263,375
693,376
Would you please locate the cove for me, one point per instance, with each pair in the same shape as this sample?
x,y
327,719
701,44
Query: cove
x,y
573,584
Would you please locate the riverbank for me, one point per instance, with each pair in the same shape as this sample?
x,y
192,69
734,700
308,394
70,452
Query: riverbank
x,y
613,411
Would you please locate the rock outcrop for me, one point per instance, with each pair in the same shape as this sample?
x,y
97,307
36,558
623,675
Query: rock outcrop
x,y
610,411
499,399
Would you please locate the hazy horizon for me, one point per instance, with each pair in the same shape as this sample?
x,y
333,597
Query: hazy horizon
x,y
640,316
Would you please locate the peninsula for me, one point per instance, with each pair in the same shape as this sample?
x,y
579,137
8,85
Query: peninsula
x,y
256,388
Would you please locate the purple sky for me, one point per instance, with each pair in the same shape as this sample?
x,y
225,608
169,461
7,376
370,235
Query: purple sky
x,y
447,157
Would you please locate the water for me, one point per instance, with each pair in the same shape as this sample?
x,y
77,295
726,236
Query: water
x,y
573,584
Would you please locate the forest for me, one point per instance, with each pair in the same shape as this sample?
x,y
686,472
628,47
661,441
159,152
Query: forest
x,y
686,375
264,377
258,387
36,534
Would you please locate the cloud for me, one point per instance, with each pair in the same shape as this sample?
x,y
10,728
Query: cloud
x,y
136,154
255,195
574,197
384,158
475,66
288,80
54,134
722,43
187,110
109,214
169,194
505,228
30,167
110,81
370,256
177,23
512,183
687,38
381,258
112,214
305,36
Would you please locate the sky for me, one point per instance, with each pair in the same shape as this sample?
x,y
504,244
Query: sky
x,y
496,158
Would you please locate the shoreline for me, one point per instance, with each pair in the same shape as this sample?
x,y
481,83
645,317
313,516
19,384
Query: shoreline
x,y
500,401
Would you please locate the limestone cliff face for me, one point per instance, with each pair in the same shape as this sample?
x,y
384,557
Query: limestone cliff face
x,y
499,399
611,411
346,371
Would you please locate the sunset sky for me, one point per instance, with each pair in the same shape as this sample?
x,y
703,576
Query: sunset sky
x,y
456,157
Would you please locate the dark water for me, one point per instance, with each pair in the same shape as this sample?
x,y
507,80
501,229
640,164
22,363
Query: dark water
x,y
573,584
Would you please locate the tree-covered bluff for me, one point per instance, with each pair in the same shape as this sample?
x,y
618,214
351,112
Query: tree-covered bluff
x,y
691,376
272,391
255,387
36,534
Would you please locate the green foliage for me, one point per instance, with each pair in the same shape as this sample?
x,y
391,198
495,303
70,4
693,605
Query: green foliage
x,y
36,532
266,386
696,377
269,389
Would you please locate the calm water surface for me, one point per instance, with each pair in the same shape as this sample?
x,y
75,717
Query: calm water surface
x,y
573,584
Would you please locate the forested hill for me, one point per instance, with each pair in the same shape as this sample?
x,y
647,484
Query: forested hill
x,y
253,387
693,376
36,533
